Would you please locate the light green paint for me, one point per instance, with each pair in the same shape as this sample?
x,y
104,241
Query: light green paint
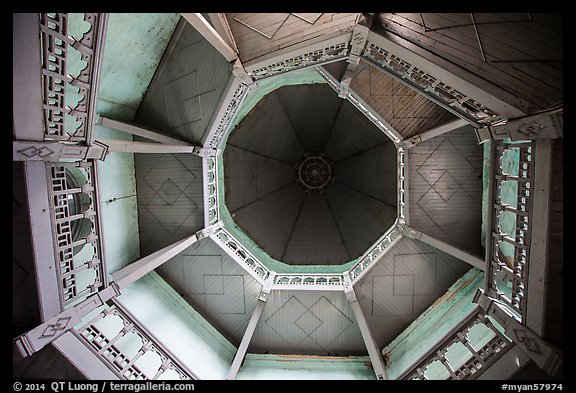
x,y
118,204
433,324
267,367
181,329
134,46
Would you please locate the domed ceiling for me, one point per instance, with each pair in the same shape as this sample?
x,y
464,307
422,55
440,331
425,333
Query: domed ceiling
x,y
309,178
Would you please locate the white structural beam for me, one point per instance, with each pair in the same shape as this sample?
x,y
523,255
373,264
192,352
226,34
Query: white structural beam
x,y
538,263
491,96
143,266
54,151
139,131
47,332
80,355
222,27
445,247
120,146
373,351
41,234
203,27
249,332
27,113
433,132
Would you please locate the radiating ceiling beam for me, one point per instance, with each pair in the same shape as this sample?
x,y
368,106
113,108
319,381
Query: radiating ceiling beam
x,y
207,31
373,351
433,132
222,27
357,44
249,332
139,131
143,266
445,247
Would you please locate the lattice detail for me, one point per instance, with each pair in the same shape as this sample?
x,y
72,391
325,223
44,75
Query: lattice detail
x,y
329,53
512,267
110,347
241,255
370,256
472,360
211,190
55,48
61,195
402,186
319,281
429,84
225,121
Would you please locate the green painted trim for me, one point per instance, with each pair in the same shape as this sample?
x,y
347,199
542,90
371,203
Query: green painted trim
x,y
272,366
436,321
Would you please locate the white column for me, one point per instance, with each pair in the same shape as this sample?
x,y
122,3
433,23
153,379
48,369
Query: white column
x,y
211,35
445,247
373,351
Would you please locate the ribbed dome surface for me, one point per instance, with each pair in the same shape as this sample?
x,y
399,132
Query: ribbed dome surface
x,y
309,178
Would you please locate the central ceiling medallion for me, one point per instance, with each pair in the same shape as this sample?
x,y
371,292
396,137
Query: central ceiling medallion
x,y
314,172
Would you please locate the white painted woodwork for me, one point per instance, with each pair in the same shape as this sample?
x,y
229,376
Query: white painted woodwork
x,y
83,358
54,151
373,351
211,35
42,239
435,131
462,81
446,247
139,131
539,242
222,27
143,266
243,347
27,109
120,146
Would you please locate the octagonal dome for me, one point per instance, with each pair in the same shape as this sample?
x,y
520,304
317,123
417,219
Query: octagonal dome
x,y
309,178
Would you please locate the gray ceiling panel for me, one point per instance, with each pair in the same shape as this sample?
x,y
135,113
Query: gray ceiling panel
x,y
372,172
408,279
215,286
267,130
307,323
251,176
312,110
316,238
361,219
269,221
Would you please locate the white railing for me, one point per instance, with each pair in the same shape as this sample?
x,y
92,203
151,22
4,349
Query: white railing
x,y
63,122
508,244
289,281
437,90
128,349
465,352
241,254
374,253
77,232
